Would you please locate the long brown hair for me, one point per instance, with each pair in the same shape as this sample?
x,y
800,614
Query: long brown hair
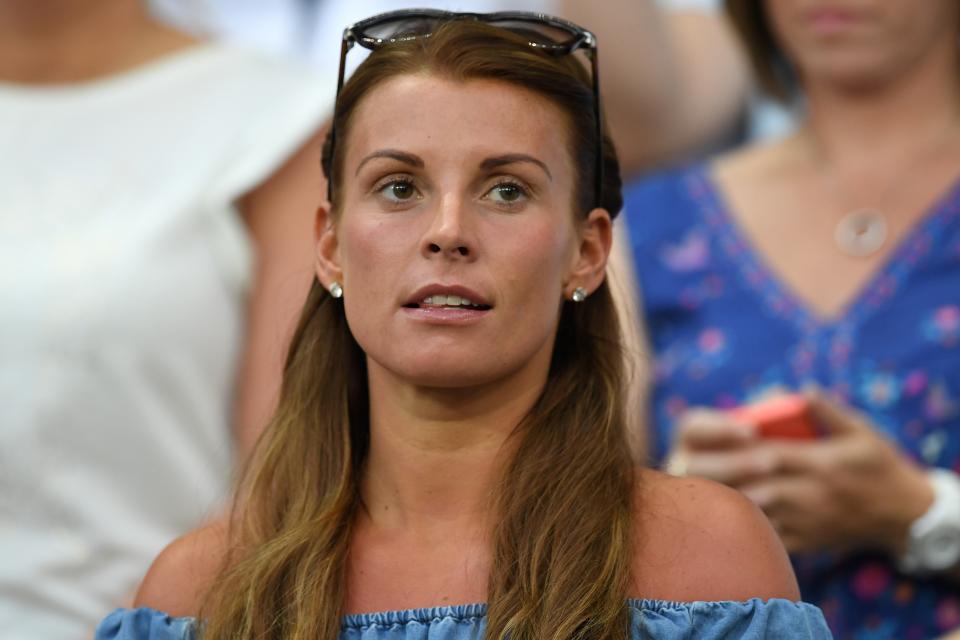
x,y
561,546
770,65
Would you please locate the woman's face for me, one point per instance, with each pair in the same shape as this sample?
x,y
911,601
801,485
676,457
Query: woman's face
x,y
862,43
456,240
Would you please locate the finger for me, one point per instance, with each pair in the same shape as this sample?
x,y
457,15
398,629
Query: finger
x,y
790,505
835,417
790,539
782,532
710,429
788,499
801,458
676,463
799,537
732,467
796,542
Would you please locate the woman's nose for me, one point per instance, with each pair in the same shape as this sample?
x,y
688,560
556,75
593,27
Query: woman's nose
x,y
449,234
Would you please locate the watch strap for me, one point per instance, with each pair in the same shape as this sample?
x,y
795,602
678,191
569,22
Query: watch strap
x,y
933,543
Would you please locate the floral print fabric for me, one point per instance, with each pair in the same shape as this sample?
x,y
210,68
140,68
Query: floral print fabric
x,y
724,331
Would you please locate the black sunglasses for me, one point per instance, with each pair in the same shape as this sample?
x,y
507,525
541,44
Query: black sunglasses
x,y
546,33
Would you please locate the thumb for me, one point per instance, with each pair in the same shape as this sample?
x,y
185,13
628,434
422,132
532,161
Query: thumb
x,y
833,417
701,428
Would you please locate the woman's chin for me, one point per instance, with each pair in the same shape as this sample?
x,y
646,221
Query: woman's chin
x,y
458,364
453,377
442,371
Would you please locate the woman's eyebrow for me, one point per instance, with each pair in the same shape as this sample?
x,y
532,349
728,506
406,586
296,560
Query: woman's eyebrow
x,y
512,158
401,156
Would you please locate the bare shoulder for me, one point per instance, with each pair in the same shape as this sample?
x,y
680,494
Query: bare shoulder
x,y
180,575
699,540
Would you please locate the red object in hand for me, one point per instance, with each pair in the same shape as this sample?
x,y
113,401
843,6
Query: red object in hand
x,y
786,416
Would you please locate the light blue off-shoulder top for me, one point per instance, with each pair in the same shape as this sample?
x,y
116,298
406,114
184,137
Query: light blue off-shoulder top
x,y
649,619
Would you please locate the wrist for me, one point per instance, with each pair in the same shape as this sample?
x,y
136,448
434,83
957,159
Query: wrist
x,y
932,542
914,499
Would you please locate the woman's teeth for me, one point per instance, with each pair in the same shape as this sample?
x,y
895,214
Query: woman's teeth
x,y
447,301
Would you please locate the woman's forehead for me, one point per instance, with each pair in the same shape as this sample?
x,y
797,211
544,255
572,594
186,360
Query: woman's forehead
x,y
430,114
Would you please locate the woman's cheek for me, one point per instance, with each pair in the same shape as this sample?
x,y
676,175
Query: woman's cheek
x,y
372,252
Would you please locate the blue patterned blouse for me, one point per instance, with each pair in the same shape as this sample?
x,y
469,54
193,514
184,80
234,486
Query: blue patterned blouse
x,y
724,330
653,619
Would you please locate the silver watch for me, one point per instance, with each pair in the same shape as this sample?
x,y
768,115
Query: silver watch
x,y
933,544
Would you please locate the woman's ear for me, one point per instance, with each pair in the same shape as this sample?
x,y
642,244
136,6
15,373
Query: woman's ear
x,y
590,260
326,248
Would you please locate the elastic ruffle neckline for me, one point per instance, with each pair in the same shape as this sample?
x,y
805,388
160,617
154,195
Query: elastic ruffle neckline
x,y
146,623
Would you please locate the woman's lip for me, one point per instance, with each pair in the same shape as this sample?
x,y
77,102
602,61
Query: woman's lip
x,y
445,315
828,19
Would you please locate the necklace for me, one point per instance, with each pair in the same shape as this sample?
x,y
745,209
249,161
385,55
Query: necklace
x,y
861,233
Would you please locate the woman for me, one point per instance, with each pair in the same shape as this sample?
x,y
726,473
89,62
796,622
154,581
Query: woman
x,y
827,259
156,194
450,427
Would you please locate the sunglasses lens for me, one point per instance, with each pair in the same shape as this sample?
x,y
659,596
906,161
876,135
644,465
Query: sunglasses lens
x,y
405,28
400,29
538,32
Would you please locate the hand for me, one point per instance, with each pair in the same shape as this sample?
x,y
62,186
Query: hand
x,y
850,489
704,439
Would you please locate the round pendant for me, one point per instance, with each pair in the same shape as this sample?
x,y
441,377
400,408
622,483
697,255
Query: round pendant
x,y
861,233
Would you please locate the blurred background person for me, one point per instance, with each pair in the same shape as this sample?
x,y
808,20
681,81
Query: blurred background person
x,y
674,78
830,257
156,204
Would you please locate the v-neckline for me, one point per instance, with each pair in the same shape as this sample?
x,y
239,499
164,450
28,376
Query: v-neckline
x,y
780,297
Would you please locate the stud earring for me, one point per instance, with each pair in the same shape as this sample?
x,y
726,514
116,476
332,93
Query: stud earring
x,y
336,290
579,294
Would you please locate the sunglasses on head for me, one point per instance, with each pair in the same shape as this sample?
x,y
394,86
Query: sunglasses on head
x,y
549,34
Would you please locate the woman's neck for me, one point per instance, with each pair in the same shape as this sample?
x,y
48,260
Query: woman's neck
x,y
436,454
66,41
904,118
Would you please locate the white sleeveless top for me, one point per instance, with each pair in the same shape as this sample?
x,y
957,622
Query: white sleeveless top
x,y
123,273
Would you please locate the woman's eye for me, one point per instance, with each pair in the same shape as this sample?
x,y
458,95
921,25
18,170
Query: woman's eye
x,y
507,193
398,191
